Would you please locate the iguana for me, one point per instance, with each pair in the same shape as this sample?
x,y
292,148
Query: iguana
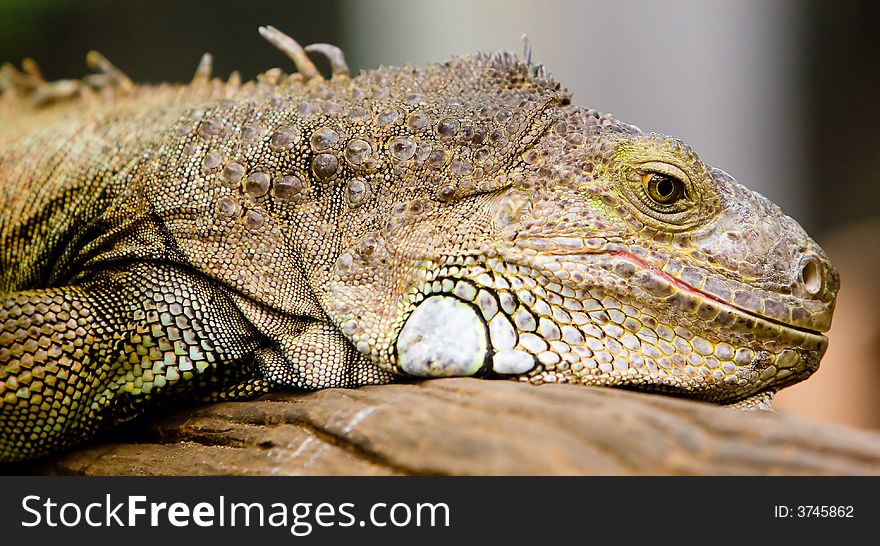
x,y
172,244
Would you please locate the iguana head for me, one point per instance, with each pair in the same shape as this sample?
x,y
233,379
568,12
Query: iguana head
x,y
522,236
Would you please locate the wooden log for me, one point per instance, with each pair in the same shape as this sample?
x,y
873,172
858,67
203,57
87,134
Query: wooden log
x,y
474,427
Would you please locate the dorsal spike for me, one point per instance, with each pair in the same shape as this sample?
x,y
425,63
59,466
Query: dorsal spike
x,y
527,49
96,61
8,77
205,69
11,78
293,50
29,81
338,66
32,69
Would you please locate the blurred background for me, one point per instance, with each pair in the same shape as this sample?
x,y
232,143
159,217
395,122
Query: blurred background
x,y
783,95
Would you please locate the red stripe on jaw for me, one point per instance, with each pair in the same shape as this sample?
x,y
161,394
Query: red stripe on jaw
x,y
685,286
672,280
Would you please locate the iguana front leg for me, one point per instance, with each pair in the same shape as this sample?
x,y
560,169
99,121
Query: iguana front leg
x,y
77,359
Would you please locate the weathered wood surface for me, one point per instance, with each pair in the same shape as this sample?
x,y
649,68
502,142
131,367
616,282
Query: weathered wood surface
x,y
468,426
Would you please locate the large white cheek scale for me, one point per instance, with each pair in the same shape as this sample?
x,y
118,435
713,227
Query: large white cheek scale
x,y
443,337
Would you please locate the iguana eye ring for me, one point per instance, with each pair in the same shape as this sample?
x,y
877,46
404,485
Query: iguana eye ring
x,y
663,188
661,192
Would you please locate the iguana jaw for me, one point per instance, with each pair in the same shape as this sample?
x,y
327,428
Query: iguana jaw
x,y
562,255
758,353
684,286
598,334
799,361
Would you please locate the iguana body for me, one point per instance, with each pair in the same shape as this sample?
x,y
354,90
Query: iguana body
x,y
215,240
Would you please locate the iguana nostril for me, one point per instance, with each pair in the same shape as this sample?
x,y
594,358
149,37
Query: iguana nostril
x,y
812,276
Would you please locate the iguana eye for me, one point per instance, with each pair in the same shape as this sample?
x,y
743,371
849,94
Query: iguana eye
x,y
663,194
662,188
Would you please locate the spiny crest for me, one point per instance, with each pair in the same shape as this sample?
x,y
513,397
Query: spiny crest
x,y
29,82
509,60
108,80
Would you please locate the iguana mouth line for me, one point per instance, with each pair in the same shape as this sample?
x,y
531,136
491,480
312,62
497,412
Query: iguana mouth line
x,y
682,285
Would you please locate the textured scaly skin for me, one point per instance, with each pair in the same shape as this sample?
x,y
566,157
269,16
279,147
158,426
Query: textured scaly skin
x,y
169,244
